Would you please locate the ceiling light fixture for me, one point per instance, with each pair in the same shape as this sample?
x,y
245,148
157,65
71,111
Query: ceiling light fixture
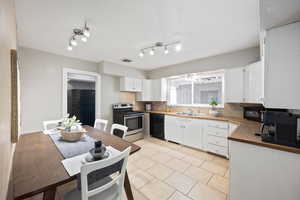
x,y
178,47
84,39
166,51
86,30
158,45
151,52
73,41
141,54
83,34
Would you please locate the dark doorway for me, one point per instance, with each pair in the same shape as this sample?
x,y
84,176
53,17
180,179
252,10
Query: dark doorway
x,y
81,101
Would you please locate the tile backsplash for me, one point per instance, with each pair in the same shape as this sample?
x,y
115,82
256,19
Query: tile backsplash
x,y
229,110
129,97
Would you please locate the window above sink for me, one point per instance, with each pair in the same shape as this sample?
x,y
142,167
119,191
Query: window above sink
x,y
196,89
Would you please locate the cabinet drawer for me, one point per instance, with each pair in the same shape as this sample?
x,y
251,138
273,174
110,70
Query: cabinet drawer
x,y
217,149
218,125
221,141
217,132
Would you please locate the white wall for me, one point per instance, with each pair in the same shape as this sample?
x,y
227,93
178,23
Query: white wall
x,y
223,61
113,69
41,86
7,42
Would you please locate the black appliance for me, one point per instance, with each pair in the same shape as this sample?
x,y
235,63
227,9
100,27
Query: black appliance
x,y
157,125
123,114
253,113
280,127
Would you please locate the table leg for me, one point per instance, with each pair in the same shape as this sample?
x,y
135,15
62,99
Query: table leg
x,y
49,194
128,188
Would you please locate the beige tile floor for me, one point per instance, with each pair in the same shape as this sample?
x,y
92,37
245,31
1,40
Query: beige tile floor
x,y
166,171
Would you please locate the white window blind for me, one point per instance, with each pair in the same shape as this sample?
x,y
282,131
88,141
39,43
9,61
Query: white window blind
x,y
196,89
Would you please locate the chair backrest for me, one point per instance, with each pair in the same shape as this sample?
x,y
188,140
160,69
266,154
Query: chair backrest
x,y
101,124
119,127
52,123
97,165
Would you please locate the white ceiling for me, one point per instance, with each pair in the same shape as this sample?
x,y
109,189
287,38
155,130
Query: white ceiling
x,y
278,12
119,28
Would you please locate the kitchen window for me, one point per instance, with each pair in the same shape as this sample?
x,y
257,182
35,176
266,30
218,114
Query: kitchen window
x,y
197,89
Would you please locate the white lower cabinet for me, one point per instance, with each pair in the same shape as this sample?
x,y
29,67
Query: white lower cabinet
x,y
206,135
184,131
215,137
173,129
192,133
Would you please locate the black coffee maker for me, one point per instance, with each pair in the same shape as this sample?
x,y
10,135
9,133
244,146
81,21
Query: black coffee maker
x,y
280,127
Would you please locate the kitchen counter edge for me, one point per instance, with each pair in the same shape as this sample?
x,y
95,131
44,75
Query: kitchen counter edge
x,y
245,132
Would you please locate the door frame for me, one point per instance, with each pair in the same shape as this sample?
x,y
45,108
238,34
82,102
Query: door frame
x,y
65,90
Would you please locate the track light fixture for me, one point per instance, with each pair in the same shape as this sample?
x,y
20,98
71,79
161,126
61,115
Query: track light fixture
x,y
151,49
151,52
141,54
83,34
166,51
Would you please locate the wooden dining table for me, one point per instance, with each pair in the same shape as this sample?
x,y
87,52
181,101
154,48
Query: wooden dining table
x,y
37,166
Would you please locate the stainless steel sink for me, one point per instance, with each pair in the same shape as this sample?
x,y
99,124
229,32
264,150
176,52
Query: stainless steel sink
x,y
191,114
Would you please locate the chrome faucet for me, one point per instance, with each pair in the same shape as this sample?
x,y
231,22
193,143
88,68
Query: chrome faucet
x,y
190,111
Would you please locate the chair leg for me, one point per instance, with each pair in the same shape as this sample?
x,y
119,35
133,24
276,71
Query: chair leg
x,y
49,194
128,188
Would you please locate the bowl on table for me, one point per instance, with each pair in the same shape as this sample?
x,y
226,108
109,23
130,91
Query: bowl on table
x,y
73,136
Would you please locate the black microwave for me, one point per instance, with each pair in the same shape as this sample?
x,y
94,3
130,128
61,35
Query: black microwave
x,y
254,113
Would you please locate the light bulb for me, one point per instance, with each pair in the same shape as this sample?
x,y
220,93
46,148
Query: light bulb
x,y
166,50
70,48
178,47
73,42
151,52
141,54
84,39
86,32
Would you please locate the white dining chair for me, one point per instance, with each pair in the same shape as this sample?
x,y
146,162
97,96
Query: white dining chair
x,y
50,125
101,124
119,127
109,188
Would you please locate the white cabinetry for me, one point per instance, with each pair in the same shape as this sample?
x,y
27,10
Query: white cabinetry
x,y
146,93
153,90
130,84
234,85
192,133
184,131
215,137
173,129
282,58
253,83
244,84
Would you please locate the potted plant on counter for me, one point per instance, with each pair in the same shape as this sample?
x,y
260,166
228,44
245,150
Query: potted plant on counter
x,y
214,111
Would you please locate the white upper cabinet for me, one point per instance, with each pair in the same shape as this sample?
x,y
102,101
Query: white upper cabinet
x,y
153,90
253,83
244,84
146,93
234,85
282,67
130,84
159,90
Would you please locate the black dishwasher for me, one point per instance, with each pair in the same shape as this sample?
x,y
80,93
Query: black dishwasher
x,y
157,125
